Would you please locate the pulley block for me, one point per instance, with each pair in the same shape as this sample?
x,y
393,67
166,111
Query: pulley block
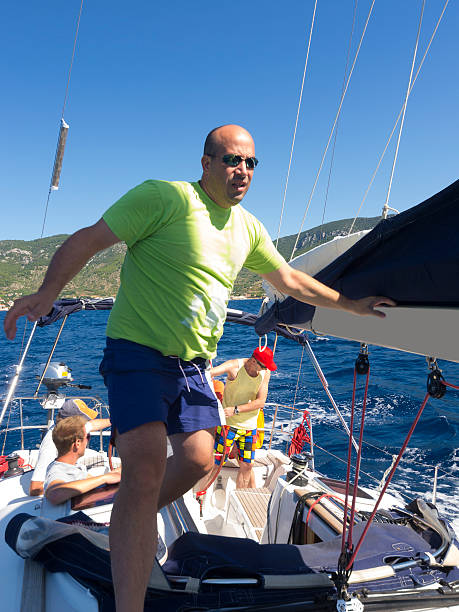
x,y
435,384
362,365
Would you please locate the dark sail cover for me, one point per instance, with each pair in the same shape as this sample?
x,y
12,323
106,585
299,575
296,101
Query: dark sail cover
x,y
412,258
68,306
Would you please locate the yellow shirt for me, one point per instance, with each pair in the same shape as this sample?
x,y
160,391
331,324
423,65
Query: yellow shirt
x,y
242,390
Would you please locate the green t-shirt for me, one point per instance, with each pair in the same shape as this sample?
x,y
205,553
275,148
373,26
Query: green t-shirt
x,y
184,253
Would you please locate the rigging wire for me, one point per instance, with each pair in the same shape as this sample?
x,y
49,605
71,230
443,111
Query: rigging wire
x,y
296,123
338,458
333,128
386,203
381,450
6,430
23,338
71,61
336,130
53,186
358,461
64,127
447,473
397,120
375,509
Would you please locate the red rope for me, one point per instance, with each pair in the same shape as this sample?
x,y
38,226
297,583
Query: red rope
x,y
348,472
347,544
300,436
223,459
357,465
389,478
317,501
449,384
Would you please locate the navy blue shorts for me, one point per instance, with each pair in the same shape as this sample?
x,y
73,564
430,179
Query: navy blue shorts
x,y
144,386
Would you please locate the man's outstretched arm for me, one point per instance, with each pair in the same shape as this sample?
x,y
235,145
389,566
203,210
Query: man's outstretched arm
x,y
67,261
307,289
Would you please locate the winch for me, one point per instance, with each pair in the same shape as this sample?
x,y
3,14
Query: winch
x,y
300,462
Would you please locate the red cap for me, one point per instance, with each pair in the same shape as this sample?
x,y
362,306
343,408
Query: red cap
x,y
265,356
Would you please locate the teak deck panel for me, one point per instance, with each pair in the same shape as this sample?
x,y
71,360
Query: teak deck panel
x,y
255,504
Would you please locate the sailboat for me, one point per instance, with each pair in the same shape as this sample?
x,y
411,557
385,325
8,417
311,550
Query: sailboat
x,y
276,546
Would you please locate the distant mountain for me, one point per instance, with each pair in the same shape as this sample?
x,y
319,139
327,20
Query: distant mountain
x,y
23,263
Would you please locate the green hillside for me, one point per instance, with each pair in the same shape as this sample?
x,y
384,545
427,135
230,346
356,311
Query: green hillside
x,y
23,263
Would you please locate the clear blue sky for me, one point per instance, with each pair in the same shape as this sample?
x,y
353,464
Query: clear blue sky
x,y
150,79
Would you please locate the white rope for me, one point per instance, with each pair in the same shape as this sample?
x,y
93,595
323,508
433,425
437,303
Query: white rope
x,y
296,124
262,348
385,207
397,120
333,128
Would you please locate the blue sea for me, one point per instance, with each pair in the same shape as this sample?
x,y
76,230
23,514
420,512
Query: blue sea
x,y
396,389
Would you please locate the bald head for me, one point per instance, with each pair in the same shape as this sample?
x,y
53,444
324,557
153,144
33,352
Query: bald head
x,y
224,136
226,183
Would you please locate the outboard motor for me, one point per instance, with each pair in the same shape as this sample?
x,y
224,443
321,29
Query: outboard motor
x,y
57,375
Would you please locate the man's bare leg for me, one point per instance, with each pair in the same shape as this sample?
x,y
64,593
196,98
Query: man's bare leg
x,y
245,477
192,460
133,528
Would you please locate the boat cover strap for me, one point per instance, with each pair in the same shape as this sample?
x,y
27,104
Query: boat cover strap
x,y
296,581
33,587
193,585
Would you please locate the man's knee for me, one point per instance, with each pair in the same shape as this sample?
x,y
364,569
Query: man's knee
x,y
200,464
195,451
244,466
143,456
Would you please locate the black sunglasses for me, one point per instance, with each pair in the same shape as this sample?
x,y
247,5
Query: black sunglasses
x,y
262,365
232,160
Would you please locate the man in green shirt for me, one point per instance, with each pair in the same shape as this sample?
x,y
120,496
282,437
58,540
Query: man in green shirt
x,y
186,243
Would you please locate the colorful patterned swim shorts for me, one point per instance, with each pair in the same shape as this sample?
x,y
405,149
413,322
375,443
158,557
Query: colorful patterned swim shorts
x,y
243,438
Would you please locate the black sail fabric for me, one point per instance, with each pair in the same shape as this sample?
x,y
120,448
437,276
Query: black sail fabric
x,y
412,257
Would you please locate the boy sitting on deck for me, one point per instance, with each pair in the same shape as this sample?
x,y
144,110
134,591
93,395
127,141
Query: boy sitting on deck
x,y
64,477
